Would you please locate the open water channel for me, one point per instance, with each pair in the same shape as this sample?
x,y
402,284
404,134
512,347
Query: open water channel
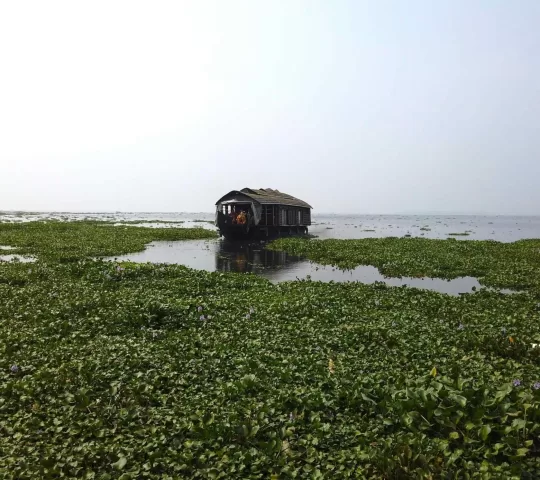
x,y
224,256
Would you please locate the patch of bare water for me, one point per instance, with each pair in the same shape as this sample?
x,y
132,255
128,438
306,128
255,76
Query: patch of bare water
x,y
224,256
17,258
181,224
461,227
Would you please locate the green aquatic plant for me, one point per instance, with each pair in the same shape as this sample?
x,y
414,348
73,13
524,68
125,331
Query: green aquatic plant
x,y
70,241
158,371
140,222
502,265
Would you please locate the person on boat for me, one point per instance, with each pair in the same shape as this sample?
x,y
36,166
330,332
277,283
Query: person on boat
x,y
241,218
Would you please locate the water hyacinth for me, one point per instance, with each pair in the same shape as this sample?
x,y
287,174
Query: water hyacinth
x,y
193,372
14,369
248,316
461,326
516,382
199,308
201,318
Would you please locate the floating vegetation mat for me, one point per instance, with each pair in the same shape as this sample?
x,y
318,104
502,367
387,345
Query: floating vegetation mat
x,y
500,265
158,371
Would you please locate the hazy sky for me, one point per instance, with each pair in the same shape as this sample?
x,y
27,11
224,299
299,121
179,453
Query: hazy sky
x,y
368,107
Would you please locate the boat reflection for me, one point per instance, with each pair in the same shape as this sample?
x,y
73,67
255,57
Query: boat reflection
x,y
221,256
252,258
246,257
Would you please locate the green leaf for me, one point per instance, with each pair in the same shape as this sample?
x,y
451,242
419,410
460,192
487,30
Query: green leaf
x,y
484,432
460,400
120,464
521,452
519,423
455,455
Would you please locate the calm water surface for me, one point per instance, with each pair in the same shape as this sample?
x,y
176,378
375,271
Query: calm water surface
x,y
500,228
17,258
219,255
224,256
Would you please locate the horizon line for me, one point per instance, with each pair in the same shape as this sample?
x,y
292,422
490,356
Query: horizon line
x,y
463,214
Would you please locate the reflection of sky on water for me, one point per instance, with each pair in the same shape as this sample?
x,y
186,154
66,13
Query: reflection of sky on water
x,y
278,266
17,258
224,256
500,228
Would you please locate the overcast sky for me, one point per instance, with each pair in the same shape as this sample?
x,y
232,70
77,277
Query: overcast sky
x,y
355,107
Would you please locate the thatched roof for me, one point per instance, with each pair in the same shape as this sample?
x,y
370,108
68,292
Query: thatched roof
x,y
267,195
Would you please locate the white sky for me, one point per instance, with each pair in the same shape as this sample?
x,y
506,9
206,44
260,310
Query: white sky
x,y
355,107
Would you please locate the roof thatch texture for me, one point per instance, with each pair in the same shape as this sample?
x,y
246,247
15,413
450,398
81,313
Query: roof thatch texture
x,y
267,195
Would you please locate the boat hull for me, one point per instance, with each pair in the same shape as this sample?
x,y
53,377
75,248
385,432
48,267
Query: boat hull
x,y
258,232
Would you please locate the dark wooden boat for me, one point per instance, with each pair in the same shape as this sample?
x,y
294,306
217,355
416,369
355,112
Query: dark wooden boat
x,y
250,213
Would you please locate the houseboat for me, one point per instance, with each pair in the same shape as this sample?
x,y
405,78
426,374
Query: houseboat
x,y
250,213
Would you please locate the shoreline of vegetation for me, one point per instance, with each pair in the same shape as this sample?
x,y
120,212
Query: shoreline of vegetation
x,y
131,371
496,264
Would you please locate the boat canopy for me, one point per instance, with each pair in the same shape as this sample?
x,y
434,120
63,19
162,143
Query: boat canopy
x,y
256,198
240,199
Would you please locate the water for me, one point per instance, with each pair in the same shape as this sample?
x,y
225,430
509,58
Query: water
x,y
182,217
17,258
500,228
217,255
225,256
